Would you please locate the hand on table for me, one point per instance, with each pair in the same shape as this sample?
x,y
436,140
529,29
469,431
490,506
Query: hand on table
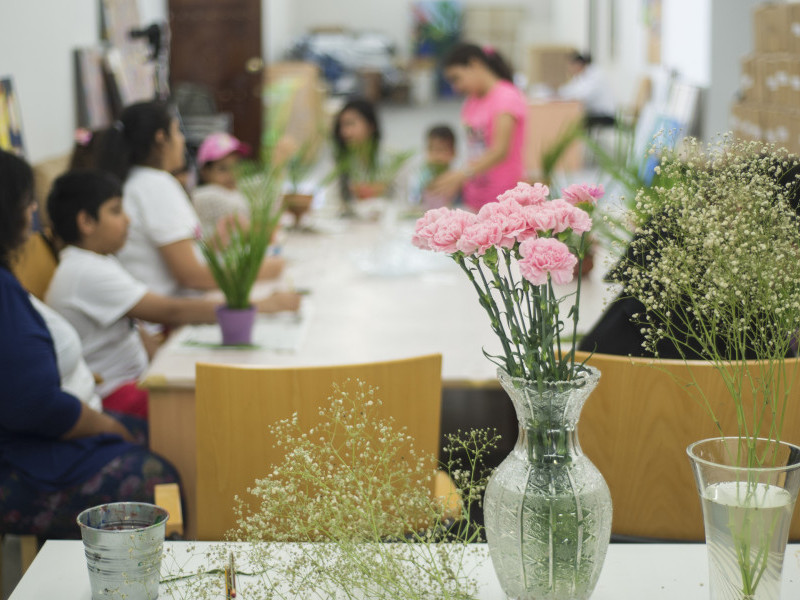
x,y
271,267
447,184
279,301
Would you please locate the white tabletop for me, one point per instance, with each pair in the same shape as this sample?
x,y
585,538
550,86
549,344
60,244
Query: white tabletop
x,y
630,572
373,296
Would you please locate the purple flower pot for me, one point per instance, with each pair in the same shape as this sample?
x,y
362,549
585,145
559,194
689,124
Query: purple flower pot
x,y
236,325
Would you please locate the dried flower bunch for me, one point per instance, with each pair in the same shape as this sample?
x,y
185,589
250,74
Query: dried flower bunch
x,y
716,263
514,251
357,497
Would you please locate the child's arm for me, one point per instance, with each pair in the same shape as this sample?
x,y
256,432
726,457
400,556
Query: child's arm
x,y
185,267
271,267
191,273
151,342
179,311
449,183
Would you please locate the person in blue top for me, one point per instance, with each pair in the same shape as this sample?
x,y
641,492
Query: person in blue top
x,y
58,456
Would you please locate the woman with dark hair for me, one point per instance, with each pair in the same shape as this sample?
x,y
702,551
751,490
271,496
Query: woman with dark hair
x,y
57,455
143,149
356,143
494,114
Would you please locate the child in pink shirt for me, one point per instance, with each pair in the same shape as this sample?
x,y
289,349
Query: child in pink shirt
x,y
494,114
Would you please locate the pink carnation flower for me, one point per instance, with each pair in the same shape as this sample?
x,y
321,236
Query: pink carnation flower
x,y
543,256
582,193
426,227
579,220
449,229
525,194
479,237
561,211
508,216
489,211
539,218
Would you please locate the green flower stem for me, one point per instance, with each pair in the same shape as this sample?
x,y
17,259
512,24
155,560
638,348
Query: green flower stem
x,y
557,362
488,305
548,441
575,307
501,332
515,326
515,296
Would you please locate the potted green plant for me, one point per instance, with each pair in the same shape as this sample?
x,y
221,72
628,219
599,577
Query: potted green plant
x,y
368,174
235,250
296,199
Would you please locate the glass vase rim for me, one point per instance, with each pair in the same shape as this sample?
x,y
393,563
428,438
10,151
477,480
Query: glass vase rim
x,y
588,374
693,457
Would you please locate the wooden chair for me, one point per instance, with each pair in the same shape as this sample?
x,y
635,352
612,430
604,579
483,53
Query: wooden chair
x,y
636,426
168,497
235,405
35,264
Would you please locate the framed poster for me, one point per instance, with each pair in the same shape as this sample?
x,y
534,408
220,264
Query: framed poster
x,y
10,118
652,21
94,110
437,26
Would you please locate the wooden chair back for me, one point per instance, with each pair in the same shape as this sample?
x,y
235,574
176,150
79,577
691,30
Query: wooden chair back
x,y
236,405
636,426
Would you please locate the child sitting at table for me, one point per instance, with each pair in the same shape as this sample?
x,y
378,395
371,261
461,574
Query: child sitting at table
x,y
440,152
217,197
93,291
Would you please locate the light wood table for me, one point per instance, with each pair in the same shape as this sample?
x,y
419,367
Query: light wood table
x,y
630,572
373,297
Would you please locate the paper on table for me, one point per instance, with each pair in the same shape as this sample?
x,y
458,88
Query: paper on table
x,y
399,258
282,332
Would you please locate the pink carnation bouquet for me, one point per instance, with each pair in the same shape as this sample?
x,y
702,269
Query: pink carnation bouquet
x,y
514,251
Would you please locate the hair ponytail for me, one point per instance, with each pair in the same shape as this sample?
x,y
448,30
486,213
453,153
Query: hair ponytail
x,y
462,54
129,141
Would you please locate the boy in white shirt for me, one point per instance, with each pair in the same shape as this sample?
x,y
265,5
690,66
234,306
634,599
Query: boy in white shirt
x,y
93,291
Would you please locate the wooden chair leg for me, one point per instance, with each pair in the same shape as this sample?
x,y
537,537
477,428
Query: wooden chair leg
x,y
29,547
168,497
446,492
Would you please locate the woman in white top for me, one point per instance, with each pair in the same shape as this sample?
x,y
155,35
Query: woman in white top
x,y
590,87
76,378
143,148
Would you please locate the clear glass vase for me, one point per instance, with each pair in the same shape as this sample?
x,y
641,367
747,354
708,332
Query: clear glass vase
x,y
547,508
748,489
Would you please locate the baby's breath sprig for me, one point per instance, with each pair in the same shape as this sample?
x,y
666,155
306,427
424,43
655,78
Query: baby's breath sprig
x,y
355,500
716,263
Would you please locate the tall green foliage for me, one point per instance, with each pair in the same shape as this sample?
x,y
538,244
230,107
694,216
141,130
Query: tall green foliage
x,y
235,250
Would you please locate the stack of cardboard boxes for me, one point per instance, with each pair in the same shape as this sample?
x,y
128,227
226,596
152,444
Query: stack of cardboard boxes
x,y
769,105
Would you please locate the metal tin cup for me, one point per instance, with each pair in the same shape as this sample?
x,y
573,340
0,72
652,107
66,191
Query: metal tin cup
x,y
123,542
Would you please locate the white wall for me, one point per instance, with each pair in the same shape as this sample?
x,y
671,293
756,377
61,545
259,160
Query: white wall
x,y
686,39
277,27
704,41
731,40
36,43
629,63
152,11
